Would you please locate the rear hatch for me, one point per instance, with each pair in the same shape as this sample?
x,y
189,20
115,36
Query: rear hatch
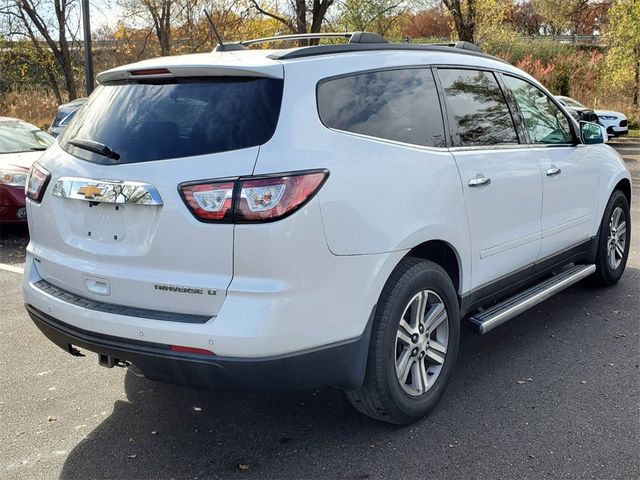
x,y
112,225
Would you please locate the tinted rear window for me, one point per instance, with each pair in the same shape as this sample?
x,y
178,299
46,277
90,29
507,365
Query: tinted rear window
x,y
67,119
157,120
399,105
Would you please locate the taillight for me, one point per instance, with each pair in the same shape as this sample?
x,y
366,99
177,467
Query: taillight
x,y
209,201
271,198
251,199
37,182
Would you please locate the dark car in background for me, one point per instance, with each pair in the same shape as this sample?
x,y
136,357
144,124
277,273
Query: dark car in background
x,y
65,114
582,114
21,144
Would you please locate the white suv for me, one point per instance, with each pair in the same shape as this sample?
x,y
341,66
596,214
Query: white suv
x,y
321,215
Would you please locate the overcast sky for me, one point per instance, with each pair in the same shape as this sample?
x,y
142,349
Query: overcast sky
x,y
104,13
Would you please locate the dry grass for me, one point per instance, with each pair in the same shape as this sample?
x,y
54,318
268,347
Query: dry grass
x,y
35,105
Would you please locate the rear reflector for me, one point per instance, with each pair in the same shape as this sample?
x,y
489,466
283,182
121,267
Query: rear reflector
x,y
251,199
200,351
150,71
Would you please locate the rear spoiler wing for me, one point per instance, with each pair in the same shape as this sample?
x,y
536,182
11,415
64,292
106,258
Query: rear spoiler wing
x,y
142,71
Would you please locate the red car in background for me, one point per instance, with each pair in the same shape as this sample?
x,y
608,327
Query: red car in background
x,y
21,144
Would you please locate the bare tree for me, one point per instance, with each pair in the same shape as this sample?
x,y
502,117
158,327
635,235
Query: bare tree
x,y
161,15
464,17
374,15
301,12
34,16
160,12
40,53
525,19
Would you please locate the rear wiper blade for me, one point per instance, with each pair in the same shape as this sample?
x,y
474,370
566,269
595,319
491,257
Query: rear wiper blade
x,y
38,149
95,147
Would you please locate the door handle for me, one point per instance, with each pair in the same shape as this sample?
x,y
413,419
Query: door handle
x,y
479,181
553,171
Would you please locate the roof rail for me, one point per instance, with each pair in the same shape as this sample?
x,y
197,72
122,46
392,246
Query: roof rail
x,y
459,44
353,37
358,42
459,48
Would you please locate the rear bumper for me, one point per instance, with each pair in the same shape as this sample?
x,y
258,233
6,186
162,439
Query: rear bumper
x,y
342,365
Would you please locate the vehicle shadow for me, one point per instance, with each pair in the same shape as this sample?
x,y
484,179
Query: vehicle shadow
x,y
13,241
165,431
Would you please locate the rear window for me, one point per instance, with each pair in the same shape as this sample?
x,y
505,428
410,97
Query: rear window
x,y
67,118
400,105
156,120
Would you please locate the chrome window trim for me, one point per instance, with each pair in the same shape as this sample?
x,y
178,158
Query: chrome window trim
x,y
386,140
500,146
554,145
110,191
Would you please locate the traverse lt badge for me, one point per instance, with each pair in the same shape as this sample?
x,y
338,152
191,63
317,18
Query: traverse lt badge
x,y
191,290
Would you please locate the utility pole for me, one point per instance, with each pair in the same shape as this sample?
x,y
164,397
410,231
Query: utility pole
x,y
88,57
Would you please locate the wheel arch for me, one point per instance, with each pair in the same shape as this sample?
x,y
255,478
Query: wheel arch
x,y
445,255
624,186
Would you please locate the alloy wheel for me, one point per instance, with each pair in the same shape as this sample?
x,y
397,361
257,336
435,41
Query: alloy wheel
x,y
617,238
421,342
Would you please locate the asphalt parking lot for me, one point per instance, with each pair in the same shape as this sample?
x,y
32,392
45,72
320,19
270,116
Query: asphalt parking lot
x,y
554,393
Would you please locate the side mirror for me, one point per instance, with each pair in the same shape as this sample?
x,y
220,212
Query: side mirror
x,y
591,133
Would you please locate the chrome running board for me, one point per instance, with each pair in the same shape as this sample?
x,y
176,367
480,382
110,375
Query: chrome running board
x,y
489,319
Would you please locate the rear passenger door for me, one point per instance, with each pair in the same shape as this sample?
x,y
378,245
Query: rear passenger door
x,y
501,180
570,170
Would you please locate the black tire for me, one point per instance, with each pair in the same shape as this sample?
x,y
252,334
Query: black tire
x,y
605,275
382,396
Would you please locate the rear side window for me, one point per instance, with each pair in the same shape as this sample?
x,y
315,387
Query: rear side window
x,y
477,109
155,120
400,105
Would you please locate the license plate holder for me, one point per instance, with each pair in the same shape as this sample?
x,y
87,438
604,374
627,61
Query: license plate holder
x,y
104,222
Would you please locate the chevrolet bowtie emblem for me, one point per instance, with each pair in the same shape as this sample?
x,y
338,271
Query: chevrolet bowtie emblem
x,y
90,191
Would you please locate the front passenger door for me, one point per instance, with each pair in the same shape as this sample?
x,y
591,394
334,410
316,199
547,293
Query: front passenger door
x,y
570,170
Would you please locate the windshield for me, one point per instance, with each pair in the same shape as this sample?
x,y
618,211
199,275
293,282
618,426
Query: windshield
x,y
570,102
17,136
155,120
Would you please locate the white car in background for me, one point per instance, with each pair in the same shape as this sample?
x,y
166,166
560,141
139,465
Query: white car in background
x,y
615,122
